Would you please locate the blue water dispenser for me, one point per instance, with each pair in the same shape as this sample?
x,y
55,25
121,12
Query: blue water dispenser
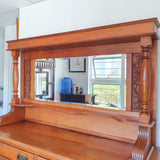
x,y
66,86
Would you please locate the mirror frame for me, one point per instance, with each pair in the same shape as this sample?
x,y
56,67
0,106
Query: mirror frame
x,y
131,37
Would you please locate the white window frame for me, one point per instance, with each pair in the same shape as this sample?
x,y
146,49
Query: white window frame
x,y
121,81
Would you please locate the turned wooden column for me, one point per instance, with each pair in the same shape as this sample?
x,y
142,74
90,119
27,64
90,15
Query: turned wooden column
x,y
146,44
15,55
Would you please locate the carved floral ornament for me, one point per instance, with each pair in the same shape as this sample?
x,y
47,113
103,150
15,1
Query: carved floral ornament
x,y
136,82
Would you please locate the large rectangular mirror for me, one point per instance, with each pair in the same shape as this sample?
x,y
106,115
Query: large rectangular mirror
x,y
99,81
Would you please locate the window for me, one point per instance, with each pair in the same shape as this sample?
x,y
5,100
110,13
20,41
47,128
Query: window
x,y
108,68
109,80
107,93
44,79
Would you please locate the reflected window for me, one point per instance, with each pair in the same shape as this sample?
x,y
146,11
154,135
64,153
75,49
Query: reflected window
x,y
109,80
41,81
108,94
107,67
44,79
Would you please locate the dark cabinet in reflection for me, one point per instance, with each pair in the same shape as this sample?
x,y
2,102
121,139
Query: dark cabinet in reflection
x,y
79,98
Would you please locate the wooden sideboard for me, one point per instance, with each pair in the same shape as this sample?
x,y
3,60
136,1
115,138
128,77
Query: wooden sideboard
x,y
53,130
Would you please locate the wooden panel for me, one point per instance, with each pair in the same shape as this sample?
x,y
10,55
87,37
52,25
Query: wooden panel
x,y
153,88
114,33
12,153
85,51
91,124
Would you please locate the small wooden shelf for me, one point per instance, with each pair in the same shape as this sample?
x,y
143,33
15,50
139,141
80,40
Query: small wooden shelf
x,y
76,111
22,105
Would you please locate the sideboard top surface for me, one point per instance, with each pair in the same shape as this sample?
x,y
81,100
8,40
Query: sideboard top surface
x,y
52,142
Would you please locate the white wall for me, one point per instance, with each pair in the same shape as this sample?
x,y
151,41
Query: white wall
x,y
79,79
59,74
10,34
54,16
9,18
1,65
62,70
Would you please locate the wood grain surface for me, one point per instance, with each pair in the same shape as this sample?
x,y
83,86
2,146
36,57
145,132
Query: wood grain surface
x,y
51,142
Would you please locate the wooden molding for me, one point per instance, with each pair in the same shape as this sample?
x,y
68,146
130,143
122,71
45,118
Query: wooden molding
x,y
142,145
134,47
125,32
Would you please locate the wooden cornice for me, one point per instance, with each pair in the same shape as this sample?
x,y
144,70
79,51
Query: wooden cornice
x,y
117,33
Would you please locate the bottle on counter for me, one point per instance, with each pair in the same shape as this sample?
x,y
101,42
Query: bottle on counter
x,y
81,90
77,90
74,89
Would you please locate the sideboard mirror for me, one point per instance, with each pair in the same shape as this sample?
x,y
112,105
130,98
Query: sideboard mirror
x,y
107,40
97,81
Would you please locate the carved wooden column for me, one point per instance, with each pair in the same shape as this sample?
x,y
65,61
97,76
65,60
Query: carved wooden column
x,y
146,44
15,55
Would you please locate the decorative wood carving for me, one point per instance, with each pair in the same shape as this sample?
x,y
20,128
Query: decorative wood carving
x,y
143,144
15,55
27,78
136,82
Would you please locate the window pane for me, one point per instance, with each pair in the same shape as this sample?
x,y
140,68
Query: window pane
x,y
107,94
107,68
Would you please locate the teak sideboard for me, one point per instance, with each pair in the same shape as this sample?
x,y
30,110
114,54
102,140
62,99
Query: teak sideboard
x,y
42,130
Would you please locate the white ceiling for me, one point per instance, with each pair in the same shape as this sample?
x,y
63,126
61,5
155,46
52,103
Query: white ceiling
x,y
9,10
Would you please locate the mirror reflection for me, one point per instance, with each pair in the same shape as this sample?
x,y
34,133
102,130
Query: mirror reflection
x,y
44,79
41,88
99,81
